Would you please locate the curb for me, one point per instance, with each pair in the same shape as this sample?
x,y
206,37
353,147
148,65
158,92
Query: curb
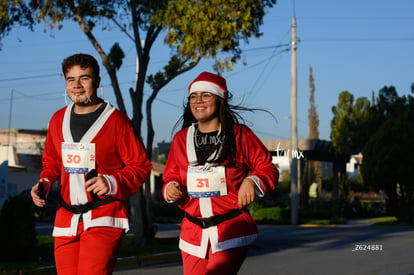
x,y
122,263
167,257
47,270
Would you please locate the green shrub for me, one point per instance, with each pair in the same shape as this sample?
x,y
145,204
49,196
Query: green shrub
x,y
323,212
17,229
271,215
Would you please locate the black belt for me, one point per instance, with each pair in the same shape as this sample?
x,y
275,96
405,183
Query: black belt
x,y
214,220
83,208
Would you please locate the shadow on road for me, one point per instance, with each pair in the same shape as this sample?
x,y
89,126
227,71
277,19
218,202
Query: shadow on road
x,y
277,238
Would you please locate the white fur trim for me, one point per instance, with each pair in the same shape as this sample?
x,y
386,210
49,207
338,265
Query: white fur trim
x,y
236,242
201,251
67,231
207,86
191,154
88,223
259,190
111,222
113,187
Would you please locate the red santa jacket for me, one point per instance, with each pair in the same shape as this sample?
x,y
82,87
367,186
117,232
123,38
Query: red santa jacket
x,y
253,159
120,157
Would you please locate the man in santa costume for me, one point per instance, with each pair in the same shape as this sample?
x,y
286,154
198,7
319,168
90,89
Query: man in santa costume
x,y
101,162
214,169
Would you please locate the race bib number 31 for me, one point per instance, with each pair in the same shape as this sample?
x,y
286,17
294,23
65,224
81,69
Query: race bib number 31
x,y
78,158
203,183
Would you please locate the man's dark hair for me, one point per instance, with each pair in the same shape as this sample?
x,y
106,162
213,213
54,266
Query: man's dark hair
x,y
84,61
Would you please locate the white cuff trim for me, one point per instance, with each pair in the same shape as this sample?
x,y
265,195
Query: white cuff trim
x,y
259,190
112,184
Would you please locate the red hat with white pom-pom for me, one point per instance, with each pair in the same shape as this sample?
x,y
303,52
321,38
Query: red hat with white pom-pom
x,y
208,82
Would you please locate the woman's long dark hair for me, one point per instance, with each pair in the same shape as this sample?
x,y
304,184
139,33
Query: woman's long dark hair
x,y
228,117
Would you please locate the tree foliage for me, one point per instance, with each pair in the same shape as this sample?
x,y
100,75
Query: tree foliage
x,y
313,117
314,167
383,133
203,28
348,124
387,163
14,13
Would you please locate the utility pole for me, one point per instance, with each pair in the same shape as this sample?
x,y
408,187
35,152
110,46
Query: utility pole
x,y
294,130
10,120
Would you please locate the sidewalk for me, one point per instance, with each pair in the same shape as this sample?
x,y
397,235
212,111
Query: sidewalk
x,y
357,222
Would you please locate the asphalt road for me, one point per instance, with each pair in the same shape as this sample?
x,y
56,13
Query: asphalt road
x,y
348,249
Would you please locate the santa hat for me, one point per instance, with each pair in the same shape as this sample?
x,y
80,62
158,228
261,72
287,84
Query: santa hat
x,y
208,82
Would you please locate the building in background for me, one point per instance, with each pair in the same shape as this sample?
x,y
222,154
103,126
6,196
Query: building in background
x,y
353,166
20,160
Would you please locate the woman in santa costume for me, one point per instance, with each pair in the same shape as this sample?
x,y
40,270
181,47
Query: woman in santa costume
x,y
101,162
214,169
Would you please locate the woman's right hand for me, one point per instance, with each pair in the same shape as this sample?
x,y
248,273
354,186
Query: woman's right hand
x,y
173,191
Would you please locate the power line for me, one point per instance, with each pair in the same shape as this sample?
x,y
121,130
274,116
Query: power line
x,y
274,53
41,97
357,39
37,97
337,18
168,103
267,47
29,77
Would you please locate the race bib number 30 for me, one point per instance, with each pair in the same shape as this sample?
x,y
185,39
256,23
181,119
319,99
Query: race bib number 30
x,y
203,183
78,158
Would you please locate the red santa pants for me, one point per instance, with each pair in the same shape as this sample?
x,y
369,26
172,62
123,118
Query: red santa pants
x,y
93,251
227,262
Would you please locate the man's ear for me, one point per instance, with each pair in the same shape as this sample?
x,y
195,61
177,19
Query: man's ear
x,y
97,82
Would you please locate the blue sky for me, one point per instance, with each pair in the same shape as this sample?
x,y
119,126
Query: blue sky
x,y
356,45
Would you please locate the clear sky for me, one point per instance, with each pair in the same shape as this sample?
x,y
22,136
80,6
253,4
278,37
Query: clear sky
x,y
356,45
